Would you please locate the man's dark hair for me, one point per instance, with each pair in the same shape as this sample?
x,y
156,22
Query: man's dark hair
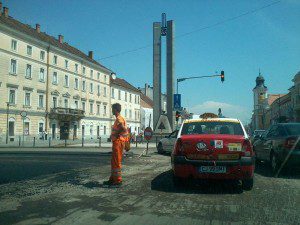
x,y
117,107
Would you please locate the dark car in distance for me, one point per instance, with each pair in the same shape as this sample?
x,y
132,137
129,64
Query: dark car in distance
x,y
279,145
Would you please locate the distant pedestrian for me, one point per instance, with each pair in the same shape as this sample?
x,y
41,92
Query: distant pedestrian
x,y
119,136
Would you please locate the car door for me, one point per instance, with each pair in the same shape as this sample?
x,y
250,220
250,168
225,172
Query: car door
x,y
267,144
258,144
171,141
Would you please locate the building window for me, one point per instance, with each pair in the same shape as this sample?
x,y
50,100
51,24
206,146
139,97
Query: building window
x,y
83,70
135,99
41,101
91,107
76,68
11,128
98,75
130,113
12,97
66,102
91,88
14,45
66,64
91,130
83,106
104,91
54,102
83,85
28,71
125,96
54,78
104,130
130,97
76,104
13,66
105,78
104,110
27,99
119,95
26,128
113,93
42,55
76,83
41,128
92,74
66,81
98,109
29,50
98,89
42,74
55,59
126,113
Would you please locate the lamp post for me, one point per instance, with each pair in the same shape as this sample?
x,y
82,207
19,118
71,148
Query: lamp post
x,y
7,126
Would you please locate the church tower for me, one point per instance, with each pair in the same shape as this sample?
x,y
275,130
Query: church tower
x,y
260,102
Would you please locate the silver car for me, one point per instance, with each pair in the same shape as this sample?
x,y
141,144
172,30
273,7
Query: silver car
x,y
167,143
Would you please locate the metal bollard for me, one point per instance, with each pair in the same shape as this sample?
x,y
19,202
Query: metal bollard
x,y
49,142
33,141
19,141
82,143
99,141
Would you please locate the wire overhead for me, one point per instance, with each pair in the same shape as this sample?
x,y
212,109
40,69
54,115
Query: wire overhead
x,y
197,30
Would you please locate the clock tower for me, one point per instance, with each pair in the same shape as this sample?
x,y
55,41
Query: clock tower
x,y
260,103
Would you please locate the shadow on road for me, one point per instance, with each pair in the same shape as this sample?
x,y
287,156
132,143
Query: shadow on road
x,y
163,182
264,169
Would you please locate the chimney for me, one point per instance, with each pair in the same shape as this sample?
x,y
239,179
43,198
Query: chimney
x,y
60,38
38,28
91,54
146,89
5,11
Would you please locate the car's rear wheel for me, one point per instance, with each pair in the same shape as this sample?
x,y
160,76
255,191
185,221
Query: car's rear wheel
x,y
247,184
179,182
160,149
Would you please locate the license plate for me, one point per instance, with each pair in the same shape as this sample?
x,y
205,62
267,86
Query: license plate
x,y
212,169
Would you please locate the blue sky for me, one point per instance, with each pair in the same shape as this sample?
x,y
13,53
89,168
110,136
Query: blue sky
x,y
267,39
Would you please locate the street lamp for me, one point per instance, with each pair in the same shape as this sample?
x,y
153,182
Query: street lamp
x,y
7,112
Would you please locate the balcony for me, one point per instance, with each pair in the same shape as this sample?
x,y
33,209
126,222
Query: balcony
x,y
66,114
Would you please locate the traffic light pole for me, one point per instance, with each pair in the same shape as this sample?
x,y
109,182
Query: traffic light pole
x,y
199,77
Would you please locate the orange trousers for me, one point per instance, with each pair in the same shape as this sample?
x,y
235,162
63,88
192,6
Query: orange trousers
x,y
116,161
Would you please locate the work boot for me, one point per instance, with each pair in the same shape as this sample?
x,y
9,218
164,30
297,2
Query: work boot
x,y
111,184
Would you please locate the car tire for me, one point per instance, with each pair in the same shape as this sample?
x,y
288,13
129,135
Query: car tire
x,y
160,149
179,182
274,163
247,184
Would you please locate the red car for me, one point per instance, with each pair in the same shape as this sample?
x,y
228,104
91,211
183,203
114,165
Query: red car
x,y
214,148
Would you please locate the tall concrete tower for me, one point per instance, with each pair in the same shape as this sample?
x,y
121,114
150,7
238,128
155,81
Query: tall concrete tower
x,y
165,28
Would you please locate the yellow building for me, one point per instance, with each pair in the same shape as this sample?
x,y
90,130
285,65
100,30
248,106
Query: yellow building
x,y
64,92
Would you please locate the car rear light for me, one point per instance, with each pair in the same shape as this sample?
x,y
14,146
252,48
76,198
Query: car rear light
x,y
247,148
178,147
289,142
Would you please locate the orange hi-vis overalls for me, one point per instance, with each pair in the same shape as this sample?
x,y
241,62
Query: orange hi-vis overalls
x,y
118,144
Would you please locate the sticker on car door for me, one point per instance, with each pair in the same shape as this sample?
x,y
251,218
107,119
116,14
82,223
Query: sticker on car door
x,y
218,143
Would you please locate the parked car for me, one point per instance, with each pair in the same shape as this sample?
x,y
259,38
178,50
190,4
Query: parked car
x,y
216,148
166,144
256,135
276,144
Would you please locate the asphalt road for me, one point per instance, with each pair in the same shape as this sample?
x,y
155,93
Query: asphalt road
x,y
67,189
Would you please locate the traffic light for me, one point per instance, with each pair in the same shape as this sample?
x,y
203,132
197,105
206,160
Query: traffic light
x,y
177,115
222,76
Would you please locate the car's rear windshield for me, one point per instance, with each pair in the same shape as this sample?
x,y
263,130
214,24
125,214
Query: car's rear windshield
x,y
212,127
293,129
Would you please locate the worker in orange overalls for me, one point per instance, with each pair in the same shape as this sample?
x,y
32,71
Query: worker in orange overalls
x,y
119,135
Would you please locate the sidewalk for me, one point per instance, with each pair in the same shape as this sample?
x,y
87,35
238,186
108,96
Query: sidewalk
x,y
105,149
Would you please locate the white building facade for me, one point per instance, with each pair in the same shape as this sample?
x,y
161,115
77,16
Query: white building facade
x,y
129,98
64,92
